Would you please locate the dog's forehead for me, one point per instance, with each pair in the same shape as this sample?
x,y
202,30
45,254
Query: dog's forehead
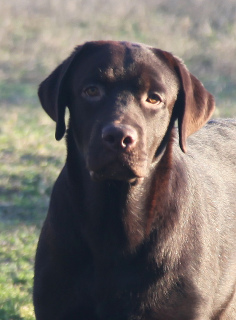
x,y
112,60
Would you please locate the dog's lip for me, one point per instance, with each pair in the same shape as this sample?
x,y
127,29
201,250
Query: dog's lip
x,y
99,177
130,177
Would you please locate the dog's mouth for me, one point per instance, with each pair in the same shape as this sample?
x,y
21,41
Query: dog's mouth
x,y
100,177
116,171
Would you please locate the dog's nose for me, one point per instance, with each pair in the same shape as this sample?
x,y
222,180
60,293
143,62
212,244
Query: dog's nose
x,y
121,136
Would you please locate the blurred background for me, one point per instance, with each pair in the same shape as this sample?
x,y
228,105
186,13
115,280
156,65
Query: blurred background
x,y
34,37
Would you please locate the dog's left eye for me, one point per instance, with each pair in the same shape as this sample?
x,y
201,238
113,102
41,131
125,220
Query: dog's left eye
x,y
92,92
154,98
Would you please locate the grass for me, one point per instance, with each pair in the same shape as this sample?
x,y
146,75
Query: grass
x,y
18,243
35,37
29,164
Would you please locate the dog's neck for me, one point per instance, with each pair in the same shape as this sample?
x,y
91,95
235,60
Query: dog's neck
x,y
117,207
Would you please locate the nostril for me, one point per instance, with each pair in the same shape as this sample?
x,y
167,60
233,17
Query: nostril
x,y
127,141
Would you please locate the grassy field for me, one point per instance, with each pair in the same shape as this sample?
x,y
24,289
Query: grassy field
x,y
29,163
35,37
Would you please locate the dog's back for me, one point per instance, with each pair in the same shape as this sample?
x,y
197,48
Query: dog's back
x,y
211,163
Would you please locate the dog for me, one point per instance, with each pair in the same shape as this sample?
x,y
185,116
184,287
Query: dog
x,y
142,218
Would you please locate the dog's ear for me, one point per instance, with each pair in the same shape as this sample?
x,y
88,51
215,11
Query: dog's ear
x,y
194,104
53,93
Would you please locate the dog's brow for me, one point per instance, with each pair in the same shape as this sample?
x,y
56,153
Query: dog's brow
x,y
111,74
148,79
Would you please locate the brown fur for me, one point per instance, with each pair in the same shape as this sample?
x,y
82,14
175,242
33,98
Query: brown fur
x,y
137,229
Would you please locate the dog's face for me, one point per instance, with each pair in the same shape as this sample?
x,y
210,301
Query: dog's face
x,y
122,99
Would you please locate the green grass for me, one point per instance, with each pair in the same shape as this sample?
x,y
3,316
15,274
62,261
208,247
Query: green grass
x,y
17,250
30,160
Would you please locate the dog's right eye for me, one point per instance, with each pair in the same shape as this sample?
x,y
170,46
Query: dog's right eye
x,y
92,92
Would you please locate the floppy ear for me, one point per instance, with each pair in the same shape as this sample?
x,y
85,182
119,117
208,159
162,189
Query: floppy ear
x,y
194,104
53,94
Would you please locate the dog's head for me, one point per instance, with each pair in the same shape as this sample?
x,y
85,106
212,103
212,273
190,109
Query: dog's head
x,y
123,98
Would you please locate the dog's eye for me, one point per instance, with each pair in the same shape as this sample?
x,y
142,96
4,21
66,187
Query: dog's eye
x,y
92,92
154,98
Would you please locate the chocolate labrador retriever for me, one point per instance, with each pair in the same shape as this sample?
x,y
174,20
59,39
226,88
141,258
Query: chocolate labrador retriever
x,y
141,226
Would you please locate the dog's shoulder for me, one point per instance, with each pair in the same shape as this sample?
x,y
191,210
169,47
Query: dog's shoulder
x,y
210,160
216,141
